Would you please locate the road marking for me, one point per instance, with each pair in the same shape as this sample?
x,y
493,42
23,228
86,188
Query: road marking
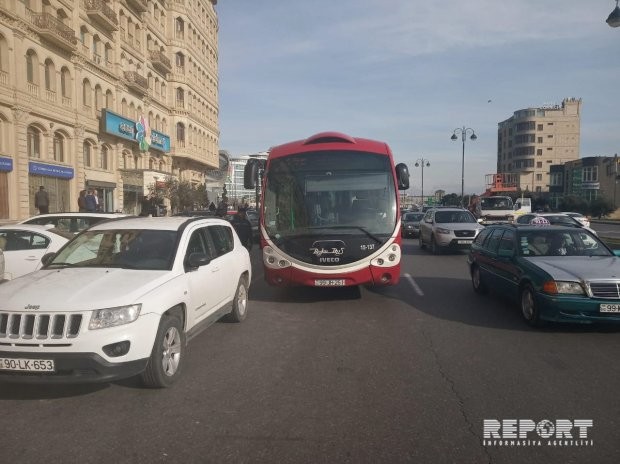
x,y
414,284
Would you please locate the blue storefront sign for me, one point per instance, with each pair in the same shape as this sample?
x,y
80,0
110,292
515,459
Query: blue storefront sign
x,y
136,131
6,164
50,170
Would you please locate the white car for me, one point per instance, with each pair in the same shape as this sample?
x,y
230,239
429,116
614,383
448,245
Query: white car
x,y
448,229
24,245
121,299
71,222
580,217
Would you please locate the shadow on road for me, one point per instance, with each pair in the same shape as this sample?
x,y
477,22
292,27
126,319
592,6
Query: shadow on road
x,y
20,391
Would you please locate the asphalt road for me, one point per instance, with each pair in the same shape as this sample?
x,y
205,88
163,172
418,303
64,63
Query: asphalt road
x,y
403,374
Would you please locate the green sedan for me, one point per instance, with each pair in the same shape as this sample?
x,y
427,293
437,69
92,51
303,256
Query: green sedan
x,y
555,273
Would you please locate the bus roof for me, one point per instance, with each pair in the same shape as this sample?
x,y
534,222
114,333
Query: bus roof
x,y
329,141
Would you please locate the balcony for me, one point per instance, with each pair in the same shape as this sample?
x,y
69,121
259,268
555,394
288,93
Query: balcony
x,y
53,30
98,11
136,82
139,5
160,61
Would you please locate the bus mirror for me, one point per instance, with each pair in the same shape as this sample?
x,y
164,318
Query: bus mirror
x,y
402,176
250,174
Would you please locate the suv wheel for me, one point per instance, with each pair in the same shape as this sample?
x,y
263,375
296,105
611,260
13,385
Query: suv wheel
x,y
434,247
421,242
164,366
240,302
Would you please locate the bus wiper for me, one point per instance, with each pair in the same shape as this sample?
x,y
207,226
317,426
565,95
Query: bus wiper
x,y
372,236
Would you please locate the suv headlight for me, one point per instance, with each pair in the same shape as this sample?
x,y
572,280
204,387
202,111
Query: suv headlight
x,y
111,317
441,230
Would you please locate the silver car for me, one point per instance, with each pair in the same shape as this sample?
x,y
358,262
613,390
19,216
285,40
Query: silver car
x,y
448,228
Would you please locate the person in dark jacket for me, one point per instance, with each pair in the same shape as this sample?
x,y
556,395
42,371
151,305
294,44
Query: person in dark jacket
x,y
90,202
243,227
42,201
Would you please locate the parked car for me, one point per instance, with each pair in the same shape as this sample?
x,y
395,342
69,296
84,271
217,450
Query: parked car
x,y
121,299
23,246
410,224
558,219
71,222
252,216
448,228
585,221
555,273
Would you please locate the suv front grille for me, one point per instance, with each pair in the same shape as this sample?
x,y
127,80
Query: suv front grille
x,y
464,233
28,326
607,289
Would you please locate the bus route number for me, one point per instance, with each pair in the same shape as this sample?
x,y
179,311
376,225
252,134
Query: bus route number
x,y
370,246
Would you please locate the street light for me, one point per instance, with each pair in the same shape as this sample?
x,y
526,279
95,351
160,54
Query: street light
x,y
614,17
463,131
421,162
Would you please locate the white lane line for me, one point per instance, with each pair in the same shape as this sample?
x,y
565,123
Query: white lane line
x,y
414,284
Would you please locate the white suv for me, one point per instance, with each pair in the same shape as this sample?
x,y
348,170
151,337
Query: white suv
x,y
121,299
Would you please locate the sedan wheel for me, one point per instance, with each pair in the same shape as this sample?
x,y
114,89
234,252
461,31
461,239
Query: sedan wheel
x,y
529,310
434,247
421,242
476,281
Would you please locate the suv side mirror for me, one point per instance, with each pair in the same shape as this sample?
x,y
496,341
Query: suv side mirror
x,y
196,260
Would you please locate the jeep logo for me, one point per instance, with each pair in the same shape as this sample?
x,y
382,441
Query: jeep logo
x,y
32,306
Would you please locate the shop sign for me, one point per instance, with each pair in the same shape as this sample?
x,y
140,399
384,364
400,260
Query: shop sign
x,y
6,164
136,131
50,170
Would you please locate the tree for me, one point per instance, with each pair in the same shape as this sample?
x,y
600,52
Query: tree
x,y
600,206
574,203
181,194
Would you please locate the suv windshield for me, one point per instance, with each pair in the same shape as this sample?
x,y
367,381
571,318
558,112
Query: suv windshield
x,y
124,248
443,217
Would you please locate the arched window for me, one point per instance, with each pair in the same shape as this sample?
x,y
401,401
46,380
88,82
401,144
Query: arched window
x,y
65,82
109,101
151,164
180,132
59,147
179,28
180,97
50,75
105,158
88,154
31,67
86,93
4,134
34,142
180,60
98,97
4,53
124,107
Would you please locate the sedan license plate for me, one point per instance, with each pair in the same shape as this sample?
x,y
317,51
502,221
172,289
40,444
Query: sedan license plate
x,y
464,242
329,283
609,308
28,365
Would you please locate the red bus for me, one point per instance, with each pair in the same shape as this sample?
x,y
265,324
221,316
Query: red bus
x,y
329,212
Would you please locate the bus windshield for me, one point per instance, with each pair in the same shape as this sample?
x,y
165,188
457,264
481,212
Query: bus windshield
x,y
339,192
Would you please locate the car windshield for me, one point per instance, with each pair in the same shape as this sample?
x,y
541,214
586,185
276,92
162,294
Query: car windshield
x,y
124,248
497,203
546,242
413,217
443,217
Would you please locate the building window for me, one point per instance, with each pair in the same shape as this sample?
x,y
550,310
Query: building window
x,y
59,147
540,127
540,140
555,179
180,98
86,93
88,155
539,152
180,132
179,29
34,142
50,75
539,164
31,65
590,174
104,161
65,78
539,177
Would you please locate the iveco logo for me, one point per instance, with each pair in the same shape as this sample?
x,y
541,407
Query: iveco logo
x,y
32,306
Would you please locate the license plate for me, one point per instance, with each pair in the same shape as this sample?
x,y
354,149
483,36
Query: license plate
x,y
609,308
329,283
28,365
464,242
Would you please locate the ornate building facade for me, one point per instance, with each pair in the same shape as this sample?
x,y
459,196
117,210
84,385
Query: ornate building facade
x,y
110,95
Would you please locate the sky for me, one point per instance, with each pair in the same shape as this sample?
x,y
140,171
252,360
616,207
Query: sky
x,y
409,73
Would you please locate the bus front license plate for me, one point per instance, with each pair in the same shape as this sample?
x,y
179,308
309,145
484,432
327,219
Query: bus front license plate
x,y
329,283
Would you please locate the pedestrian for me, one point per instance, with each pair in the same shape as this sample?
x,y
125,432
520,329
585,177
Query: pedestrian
x,y
97,206
243,227
42,201
82,201
90,202
475,207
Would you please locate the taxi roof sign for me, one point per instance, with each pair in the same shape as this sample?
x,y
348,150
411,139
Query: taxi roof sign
x,y
540,221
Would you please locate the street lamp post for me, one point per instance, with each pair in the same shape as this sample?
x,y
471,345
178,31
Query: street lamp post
x,y
421,162
463,131
614,17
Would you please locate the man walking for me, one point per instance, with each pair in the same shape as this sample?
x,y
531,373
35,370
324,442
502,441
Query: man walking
x,y
42,201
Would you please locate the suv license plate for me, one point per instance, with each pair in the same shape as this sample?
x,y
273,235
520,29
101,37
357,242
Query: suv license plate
x,y
464,242
28,365
609,308
329,283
